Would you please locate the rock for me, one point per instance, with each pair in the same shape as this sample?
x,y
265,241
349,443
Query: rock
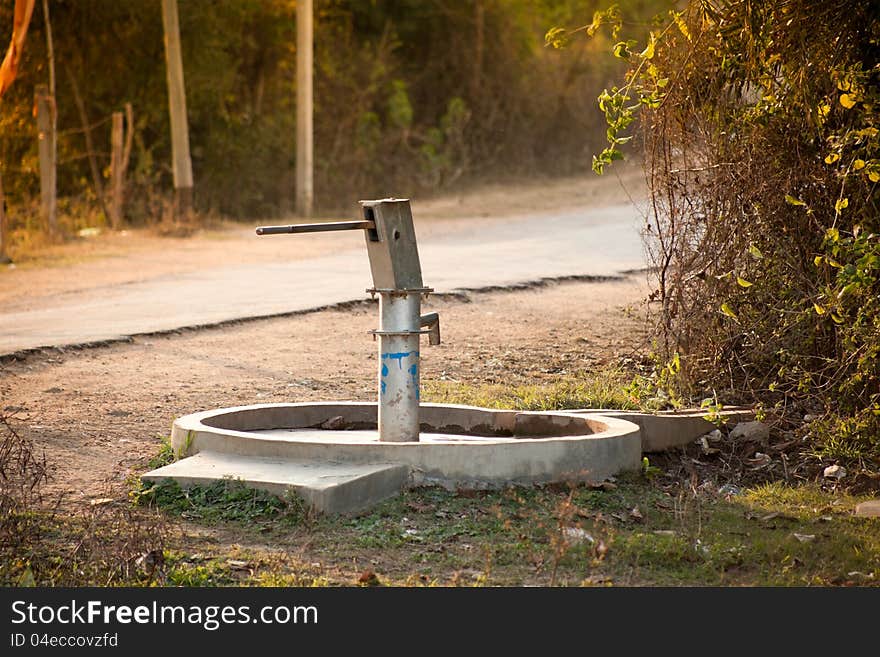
x,y
336,423
804,538
151,560
759,460
729,489
809,418
413,535
368,578
577,535
834,472
703,442
714,436
755,432
869,509
855,574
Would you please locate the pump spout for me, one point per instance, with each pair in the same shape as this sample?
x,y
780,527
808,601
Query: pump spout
x,y
432,321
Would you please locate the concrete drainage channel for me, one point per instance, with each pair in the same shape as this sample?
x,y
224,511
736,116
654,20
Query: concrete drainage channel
x,y
344,457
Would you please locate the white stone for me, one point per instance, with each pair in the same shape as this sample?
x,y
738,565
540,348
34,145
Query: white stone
x,y
756,432
834,472
577,535
714,436
869,509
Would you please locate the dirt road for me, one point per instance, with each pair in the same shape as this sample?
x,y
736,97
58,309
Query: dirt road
x,y
133,284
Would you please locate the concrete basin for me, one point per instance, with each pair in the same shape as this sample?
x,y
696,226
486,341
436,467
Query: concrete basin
x,y
330,452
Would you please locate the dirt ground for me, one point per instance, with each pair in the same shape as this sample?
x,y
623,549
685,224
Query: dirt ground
x,y
100,413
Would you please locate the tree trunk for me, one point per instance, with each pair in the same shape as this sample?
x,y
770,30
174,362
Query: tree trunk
x,y
181,162
479,46
48,199
4,228
21,18
97,180
50,48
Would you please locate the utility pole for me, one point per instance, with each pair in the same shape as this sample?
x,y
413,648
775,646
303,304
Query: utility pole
x,y
304,135
47,124
181,164
48,201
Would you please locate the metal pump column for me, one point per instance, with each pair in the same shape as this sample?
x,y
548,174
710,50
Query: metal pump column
x,y
397,279
398,365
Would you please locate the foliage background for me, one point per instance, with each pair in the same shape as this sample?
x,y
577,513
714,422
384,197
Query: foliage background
x,y
411,97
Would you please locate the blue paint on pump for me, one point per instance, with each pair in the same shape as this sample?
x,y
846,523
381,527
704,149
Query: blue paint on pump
x,y
384,374
399,356
414,375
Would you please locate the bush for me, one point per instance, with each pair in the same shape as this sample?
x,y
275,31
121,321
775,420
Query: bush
x,y
760,124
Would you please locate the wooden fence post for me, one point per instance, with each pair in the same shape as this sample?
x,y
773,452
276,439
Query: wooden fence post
x,y
116,171
48,201
119,157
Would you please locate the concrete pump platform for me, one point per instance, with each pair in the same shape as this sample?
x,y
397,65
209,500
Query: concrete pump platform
x,y
330,454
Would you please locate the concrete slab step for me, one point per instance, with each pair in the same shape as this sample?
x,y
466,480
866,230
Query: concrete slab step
x,y
326,486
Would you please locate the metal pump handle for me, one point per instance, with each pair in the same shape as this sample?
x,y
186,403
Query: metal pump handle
x,y
316,228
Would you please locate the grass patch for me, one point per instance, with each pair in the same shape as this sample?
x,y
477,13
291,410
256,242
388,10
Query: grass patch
x,y
636,534
95,546
165,455
638,531
223,501
196,570
608,389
